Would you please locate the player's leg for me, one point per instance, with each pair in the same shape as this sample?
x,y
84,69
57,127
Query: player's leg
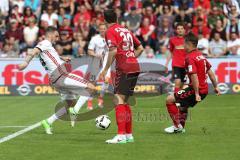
x,y
178,75
174,114
66,100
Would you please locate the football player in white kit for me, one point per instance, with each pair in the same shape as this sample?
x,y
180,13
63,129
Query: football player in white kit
x,y
98,51
67,84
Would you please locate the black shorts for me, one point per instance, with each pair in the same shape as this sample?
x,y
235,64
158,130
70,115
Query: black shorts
x,y
186,97
179,73
125,83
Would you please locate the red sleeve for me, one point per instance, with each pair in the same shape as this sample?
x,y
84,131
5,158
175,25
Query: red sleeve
x,y
170,46
136,42
111,39
192,68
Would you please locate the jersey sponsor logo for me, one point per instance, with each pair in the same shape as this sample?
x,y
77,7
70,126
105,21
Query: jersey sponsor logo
x,y
130,54
190,68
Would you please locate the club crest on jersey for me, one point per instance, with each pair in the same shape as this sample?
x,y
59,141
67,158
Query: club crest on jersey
x,y
190,69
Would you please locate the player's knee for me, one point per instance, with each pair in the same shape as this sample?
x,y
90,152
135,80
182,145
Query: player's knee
x,y
170,99
118,100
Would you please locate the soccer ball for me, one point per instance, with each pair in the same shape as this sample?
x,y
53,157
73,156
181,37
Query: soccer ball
x,y
103,122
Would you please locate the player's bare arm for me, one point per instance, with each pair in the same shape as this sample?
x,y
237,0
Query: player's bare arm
x,y
111,58
169,57
139,51
31,54
92,53
195,84
214,81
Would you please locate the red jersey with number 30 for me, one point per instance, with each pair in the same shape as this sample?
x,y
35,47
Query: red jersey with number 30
x,y
196,63
125,42
176,46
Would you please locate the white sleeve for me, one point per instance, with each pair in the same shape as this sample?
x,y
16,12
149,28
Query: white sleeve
x,y
91,45
41,46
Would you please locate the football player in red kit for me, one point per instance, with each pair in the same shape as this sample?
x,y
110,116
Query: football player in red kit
x,y
124,48
178,55
198,69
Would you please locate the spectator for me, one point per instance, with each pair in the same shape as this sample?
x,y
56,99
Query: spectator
x,y
52,3
30,33
219,29
200,14
66,28
133,20
146,33
233,26
217,47
68,5
119,16
7,52
132,3
82,14
148,52
233,13
233,44
86,3
150,15
152,3
163,3
83,28
14,31
2,24
166,14
13,44
204,4
201,29
65,43
214,16
4,7
20,4
14,14
203,44
183,18
43,27
35,5
79,45
187,5
50,17
62,15
28,14
218,3
227,7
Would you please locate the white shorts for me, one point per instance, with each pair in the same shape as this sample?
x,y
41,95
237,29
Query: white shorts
x,y
70,86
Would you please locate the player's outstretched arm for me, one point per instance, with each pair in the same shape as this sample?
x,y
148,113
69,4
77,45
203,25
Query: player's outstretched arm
x,y
111,58
29,57
139,51
214,81
195,84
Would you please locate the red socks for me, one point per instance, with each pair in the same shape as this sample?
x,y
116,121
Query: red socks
x,y
174,113
124,119
183,118
128,119
121,118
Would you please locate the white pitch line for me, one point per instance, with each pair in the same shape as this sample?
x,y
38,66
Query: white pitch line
x,y
13,126
18,133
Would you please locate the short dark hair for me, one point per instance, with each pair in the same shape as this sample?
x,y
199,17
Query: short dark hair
x,y
190,37
110,16
51,29
180,24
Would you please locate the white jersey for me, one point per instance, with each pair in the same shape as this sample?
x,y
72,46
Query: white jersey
x,y
99,46
50,60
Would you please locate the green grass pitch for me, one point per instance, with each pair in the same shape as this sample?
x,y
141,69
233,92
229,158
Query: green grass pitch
x,y
212,132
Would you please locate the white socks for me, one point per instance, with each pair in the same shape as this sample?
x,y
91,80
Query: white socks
x,y
81,101
57,115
